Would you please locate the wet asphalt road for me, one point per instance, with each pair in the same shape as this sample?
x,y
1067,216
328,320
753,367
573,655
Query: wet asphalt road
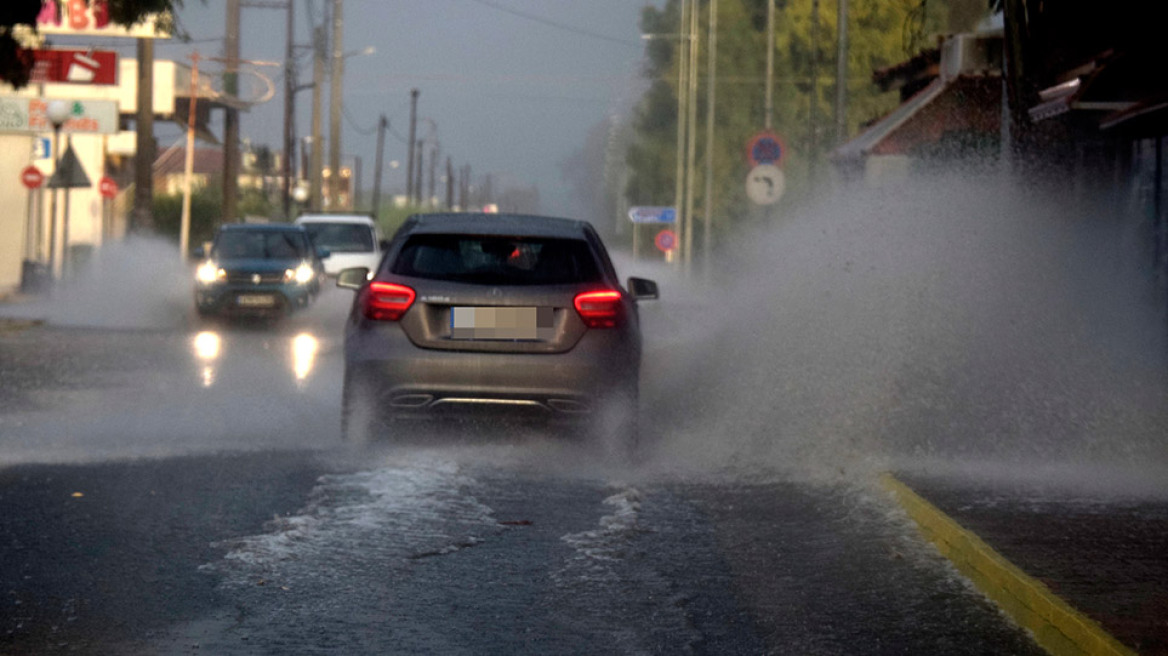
x,y
156,499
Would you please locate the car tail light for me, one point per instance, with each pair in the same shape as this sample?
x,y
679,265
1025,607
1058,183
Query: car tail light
x,y
386,301
599,309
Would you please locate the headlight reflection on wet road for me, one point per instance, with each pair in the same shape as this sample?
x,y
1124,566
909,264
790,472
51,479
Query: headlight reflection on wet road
x,y
208,346
208,349
304,349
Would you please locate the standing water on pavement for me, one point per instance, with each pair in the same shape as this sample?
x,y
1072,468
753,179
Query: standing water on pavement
x,y
950,322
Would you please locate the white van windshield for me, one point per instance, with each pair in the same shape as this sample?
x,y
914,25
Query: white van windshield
x,y
341,237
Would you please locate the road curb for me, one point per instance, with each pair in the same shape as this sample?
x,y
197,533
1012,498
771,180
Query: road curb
x,y
1056,626
17,325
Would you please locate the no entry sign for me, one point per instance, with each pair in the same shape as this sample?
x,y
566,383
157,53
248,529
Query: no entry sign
x,y
107,187
32,177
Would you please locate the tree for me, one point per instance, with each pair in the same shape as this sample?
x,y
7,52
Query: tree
x,y
15,63
881,33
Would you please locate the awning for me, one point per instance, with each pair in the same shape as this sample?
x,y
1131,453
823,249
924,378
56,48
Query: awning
x,y
862,144
963,104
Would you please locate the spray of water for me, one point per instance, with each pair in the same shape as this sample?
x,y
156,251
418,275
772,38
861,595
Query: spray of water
x,y
136,283
952,322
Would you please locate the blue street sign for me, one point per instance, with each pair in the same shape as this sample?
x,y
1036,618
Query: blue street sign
x,y
41,148
652,214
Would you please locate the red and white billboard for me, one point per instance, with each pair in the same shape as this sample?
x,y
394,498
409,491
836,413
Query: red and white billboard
x,y
91,18
75,67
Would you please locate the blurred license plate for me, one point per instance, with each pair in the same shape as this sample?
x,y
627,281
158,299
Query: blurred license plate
x,y
255,300
501,323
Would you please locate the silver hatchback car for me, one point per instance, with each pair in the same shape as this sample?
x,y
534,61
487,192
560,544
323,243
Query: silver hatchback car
x,y
501,316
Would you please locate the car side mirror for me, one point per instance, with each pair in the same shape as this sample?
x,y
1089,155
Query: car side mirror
x,y
198,253
354,278
383,244
322,253
642,289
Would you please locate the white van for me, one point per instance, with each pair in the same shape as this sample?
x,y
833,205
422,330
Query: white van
x,y
351,239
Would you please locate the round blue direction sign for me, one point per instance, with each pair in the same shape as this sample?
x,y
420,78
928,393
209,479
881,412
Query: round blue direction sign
x,y
765,148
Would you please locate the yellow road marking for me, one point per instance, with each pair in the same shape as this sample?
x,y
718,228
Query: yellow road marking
x,y
1056,627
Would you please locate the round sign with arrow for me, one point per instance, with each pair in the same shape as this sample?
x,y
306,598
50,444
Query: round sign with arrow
x,y
765,184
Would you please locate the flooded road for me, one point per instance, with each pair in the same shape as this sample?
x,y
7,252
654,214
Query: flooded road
x,y
171,487
183,489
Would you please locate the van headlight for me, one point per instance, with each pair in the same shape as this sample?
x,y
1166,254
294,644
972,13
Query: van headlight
x,y
209,272
302,274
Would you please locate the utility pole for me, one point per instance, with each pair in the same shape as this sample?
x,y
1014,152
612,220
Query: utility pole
x,y
770,65
682,113
711,84
289,109
316,174
464,188
449,184
812,138
841,76
189,165
143,217
382,126
355,185
231,114
433,169
413,136
418,174
692,137
335,104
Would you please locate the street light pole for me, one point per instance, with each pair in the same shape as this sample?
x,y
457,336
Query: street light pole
x,y
58,112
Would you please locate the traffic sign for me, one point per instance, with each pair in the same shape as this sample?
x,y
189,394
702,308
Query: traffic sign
x,y
666,240
42,148
107,187
765,148
765,184
652,214
32,177
70,174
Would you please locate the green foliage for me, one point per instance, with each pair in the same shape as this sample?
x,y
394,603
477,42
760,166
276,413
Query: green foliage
x,y
253,202
881,33
206,213
391,218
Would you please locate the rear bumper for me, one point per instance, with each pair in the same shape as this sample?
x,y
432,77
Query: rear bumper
x,y
413,381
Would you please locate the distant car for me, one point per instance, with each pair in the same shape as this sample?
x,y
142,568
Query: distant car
x,y
481,314
258,270
351,239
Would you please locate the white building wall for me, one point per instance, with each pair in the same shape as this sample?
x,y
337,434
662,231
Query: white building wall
x,y
15,152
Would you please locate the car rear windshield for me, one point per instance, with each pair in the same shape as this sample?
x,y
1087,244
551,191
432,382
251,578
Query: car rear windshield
x,y
260,245
493,260
341,237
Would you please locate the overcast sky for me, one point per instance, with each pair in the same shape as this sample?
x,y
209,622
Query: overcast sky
x,y
512,85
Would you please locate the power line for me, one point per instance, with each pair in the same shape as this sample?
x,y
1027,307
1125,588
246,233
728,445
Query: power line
x,y
365,132
560,26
